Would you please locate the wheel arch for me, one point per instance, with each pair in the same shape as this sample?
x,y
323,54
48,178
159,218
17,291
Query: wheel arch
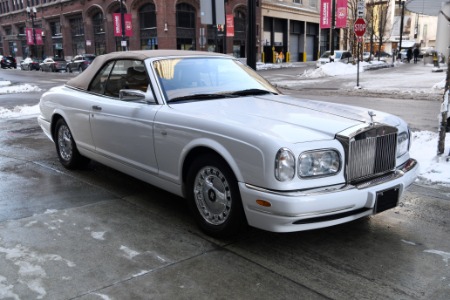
x,y
198,151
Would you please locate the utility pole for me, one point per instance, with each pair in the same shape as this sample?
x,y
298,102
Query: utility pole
x,y
444,111
32,15
251,34
122,23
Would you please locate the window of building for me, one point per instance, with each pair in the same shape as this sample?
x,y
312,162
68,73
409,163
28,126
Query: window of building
x,y
147,23
297,1
77,31
185,16
147,16
313,3
99,34
55,28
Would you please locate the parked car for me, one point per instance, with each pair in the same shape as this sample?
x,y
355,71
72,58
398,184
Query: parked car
x,y
53,64
367,56
30,64
339,56
206,127
8,62
383,56
80,62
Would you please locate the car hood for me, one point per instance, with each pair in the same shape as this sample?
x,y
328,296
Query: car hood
x,y
290,119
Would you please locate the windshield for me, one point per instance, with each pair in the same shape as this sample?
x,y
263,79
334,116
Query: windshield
x,y
204,78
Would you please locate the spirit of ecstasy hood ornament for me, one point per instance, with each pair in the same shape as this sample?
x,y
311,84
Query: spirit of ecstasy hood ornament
x,y
371,114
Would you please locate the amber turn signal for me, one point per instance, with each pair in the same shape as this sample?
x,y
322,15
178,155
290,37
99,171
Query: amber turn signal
x,y
263,203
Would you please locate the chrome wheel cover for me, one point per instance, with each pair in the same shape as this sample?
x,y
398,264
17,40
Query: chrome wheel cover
x,y
212,195
65,143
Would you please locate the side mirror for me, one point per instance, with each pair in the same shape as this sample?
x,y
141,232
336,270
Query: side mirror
x,y
134,95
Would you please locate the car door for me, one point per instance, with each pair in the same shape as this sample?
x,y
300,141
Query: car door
x,y
122,130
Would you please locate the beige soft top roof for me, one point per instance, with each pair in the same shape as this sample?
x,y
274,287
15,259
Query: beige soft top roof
x,y
82,81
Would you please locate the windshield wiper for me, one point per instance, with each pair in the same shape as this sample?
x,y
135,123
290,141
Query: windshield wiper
x,y
200,97
251,92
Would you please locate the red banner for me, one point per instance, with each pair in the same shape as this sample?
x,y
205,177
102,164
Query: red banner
x,y
230,25
38,33
31,36
128,25
325,14
118,25
341,13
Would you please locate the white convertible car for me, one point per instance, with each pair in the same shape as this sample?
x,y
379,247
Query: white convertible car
x,y
208,128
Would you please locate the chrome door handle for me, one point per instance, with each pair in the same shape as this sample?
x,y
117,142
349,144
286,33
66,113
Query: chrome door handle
x,y
96,107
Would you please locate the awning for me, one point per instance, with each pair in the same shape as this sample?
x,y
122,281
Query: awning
x,y
425,7
407,43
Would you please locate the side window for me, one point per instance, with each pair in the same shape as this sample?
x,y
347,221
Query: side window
x,y
118,75
136,76
99,83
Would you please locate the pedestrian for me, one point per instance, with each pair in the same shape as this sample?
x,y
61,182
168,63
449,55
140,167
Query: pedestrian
x,y
409,54
280,57
416,54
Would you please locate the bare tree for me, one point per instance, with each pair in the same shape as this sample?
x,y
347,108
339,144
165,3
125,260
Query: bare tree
x,y
377,17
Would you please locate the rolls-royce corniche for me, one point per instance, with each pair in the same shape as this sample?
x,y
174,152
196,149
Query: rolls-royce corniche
x,y
208,128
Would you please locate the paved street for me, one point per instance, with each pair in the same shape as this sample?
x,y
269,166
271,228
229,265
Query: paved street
x,y
98,234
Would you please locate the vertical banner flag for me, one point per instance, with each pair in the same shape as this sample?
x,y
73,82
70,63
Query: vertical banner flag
x,y
341,13
325,14
230,25
118,25
128,25
29,35
38,33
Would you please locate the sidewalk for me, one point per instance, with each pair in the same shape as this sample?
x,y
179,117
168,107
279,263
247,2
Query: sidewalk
x,y
402,80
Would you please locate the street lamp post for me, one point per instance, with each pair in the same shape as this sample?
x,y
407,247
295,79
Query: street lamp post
x,y
32,15
122,24
402,5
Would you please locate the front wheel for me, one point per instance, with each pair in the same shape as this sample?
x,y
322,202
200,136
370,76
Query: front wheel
x,y
214,198
66,148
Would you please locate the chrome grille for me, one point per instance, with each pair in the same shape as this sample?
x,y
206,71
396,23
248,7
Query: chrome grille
x,y
370,151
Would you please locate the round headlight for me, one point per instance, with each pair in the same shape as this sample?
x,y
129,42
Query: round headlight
x,y
284,165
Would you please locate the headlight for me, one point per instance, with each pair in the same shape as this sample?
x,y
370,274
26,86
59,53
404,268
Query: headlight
x,y
284,165
402,143
318,163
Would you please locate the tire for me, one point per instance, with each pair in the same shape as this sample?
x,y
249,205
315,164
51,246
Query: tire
x,y
66,148
214,198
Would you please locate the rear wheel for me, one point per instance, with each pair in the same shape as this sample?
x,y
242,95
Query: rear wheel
x,y
66,148
214,197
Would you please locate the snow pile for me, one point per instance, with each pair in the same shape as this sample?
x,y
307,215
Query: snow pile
x,y
433,168
19,111
7,88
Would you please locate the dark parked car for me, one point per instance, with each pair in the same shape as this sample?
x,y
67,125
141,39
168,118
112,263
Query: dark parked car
x,y
8,62
53,64
30,64
80,62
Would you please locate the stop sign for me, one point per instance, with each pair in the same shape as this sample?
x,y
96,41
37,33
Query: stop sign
x,y
360,27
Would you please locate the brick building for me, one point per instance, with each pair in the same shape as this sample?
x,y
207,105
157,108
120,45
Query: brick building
x,y
71,27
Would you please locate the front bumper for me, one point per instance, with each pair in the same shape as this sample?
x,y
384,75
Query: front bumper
x,y
318,208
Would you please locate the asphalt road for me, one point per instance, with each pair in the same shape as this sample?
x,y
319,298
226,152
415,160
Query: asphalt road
x,y
98,234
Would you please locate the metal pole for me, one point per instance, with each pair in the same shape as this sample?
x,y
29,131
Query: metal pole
x,y
122,23
251,34
401,26
333,17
